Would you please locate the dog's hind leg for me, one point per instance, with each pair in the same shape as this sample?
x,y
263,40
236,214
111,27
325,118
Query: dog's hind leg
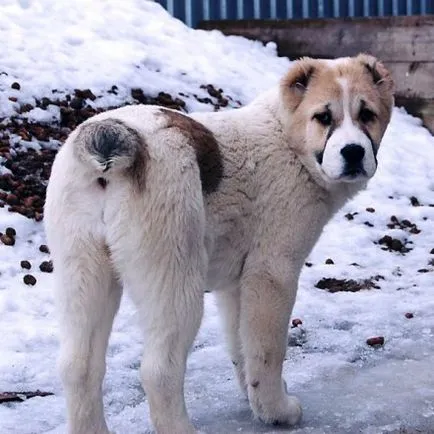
x,y
170,329
228,301
87,292
157,245
168,293
88,298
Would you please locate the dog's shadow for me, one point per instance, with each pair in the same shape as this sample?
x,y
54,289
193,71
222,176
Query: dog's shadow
x,y
235,419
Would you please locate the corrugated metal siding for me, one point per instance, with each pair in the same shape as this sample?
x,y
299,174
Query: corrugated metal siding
x,y
193,11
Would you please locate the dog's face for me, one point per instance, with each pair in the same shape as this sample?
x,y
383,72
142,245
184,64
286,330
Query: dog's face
x,y
337,111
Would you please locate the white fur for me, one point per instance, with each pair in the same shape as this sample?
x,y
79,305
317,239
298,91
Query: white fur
x,y
347,133
335,63
167,243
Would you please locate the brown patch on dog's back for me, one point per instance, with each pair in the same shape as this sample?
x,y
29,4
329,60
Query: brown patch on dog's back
x,y
208,154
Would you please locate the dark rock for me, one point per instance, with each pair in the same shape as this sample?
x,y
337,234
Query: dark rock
x,y
296,322
6,240
11,232
44,248
138,95
84,94
414,201
28,279
77,103
46,266
377,341
26,265
393,244
343,285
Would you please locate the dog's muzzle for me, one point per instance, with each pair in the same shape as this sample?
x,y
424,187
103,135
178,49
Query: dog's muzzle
x,y
353,155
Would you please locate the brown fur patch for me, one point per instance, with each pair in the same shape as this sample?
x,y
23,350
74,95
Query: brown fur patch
x,y
296,82
138,168
205,145
380,75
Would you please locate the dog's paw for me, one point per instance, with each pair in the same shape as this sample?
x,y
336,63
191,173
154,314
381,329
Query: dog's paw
x,y
291,412
282,410
287,412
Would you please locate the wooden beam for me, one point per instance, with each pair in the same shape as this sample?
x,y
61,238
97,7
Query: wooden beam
x,y
393,39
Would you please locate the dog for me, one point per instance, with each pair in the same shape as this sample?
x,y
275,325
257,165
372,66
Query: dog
x,y
167,205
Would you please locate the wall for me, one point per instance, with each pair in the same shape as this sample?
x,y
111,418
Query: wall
x,y
404,44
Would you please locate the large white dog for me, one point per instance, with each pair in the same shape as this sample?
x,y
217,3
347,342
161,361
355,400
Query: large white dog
x,y
167,205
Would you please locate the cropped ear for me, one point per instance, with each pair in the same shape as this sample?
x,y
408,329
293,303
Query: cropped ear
x,y
380,74
296,82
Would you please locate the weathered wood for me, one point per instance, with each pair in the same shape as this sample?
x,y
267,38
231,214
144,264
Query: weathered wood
x,y
393,39
404,44
413,79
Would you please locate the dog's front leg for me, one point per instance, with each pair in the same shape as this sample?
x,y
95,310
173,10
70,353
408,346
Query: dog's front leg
x,y
267,297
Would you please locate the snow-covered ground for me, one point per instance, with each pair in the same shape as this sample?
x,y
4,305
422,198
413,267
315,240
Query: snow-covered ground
x,y
345,386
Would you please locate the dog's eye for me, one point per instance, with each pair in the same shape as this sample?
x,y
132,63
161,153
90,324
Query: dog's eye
x,y
324,118
366,115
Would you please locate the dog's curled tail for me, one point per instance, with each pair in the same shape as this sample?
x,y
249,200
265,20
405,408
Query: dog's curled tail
x,y
110,145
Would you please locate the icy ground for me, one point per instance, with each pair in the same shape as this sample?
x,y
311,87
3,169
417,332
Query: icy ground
x,y
345,385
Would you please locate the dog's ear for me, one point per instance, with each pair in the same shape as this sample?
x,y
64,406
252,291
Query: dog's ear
x,y
296,82
379,73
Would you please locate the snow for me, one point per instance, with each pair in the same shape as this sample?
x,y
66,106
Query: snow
x,y
134,43
345,386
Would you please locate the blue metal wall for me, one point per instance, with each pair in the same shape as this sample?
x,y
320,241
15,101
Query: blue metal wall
x,y
192,11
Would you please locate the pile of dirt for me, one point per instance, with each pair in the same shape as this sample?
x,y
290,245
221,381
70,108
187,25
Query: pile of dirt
x,y
394,244
348,285
404,224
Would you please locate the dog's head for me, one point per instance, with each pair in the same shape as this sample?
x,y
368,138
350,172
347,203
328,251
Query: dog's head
x,y
337,111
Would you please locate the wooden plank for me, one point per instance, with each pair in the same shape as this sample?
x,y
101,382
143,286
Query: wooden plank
x,y
413,79
404,39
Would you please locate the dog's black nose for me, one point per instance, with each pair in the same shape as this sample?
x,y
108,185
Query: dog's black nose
x,y
353,154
